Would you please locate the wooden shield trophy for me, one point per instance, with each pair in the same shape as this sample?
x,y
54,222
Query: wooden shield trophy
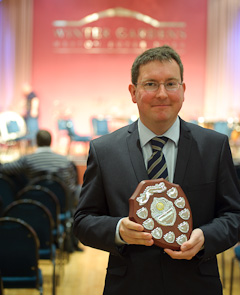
x,y
163,210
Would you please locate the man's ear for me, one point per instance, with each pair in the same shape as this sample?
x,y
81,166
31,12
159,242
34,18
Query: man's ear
x,y
132,90
184,89
184,86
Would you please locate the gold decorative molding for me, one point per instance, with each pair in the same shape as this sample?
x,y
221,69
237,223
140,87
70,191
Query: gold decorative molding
x,y
118,12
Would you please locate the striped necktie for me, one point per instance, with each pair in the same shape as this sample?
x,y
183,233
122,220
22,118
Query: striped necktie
x,y
157,167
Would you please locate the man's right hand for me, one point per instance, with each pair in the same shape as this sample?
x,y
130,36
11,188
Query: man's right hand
x,y
132,233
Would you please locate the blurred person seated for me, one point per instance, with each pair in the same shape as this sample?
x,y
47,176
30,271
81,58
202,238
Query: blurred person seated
x,y
45,161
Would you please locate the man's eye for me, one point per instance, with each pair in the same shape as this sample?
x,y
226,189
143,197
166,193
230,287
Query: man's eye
x,y
171,84
150,84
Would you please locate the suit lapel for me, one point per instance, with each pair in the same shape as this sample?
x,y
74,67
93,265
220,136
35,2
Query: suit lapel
x,y
184,147
135,153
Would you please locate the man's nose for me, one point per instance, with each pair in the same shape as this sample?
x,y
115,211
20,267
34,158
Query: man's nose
x,y
161,92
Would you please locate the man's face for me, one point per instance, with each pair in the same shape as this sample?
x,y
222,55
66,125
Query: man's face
x,y
158,109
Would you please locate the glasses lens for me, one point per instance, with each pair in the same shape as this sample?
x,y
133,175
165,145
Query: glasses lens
x,y
150,86
171,86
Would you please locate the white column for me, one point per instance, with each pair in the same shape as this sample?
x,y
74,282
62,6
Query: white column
x,y
222,96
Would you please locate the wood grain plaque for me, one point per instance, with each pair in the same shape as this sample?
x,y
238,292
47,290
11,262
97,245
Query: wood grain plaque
x,y
163,210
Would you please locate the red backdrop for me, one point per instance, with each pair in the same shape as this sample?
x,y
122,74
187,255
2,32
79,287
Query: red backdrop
x,y
83,68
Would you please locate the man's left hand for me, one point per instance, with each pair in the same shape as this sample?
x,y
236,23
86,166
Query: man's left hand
x,y
190,248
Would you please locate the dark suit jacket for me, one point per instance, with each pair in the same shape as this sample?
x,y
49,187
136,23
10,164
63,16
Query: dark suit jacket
x,y
204,170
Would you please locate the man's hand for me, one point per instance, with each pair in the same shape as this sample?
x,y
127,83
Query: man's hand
x,y
190,248
132,233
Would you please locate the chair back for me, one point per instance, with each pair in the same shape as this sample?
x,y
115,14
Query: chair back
x,y
70,128
1,285
49,200
223,127
12,127
62,124
39,218
55,185
100,126
19,254
45,197
73,136
7,192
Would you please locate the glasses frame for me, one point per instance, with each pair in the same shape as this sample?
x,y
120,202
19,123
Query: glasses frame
x,y
158,85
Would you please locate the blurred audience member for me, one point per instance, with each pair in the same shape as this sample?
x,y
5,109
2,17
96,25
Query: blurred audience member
x,y
44,161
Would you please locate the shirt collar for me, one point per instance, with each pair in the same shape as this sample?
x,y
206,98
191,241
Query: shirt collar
x,y
145,134
43,149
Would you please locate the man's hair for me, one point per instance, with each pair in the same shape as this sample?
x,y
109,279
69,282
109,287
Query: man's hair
x,y
43,138
162,54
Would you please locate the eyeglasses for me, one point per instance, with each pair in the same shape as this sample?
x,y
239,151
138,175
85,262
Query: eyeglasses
x,y
152,86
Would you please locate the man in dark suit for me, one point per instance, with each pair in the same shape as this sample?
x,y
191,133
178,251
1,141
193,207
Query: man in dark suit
x,y
198,159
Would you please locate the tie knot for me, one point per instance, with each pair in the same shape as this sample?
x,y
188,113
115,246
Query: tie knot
x,y
158,143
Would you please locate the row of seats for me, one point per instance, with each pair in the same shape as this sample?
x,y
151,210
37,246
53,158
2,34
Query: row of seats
x,y
19,255
100,127
35,221
220,126
14,129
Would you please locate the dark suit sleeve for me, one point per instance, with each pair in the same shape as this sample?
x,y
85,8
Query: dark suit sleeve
x,y
93,224
223,231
